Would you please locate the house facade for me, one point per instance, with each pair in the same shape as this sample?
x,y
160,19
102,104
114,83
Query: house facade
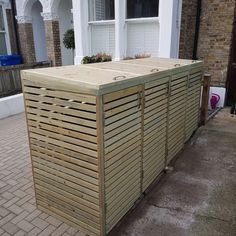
x,y
190,29
215,42
120,28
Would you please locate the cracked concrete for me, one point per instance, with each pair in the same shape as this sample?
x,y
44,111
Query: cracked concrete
x,y
197,198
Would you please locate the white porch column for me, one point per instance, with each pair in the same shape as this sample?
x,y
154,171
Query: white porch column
x,y
80,16
166,8
120,29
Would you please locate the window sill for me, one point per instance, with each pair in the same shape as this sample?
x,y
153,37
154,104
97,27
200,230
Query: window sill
x,y
143,20
102,22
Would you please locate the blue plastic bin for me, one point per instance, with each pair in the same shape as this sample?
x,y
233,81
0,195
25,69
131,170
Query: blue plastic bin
x,y
10,60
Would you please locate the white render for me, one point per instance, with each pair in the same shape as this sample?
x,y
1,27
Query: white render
x,y
11,105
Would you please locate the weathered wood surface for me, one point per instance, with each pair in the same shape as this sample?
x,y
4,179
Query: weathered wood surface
x,y
205,98
10,78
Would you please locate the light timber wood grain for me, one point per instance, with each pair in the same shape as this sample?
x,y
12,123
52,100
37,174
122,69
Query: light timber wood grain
x,y
100,134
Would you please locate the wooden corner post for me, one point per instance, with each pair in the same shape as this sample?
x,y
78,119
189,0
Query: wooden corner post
x,y
205,98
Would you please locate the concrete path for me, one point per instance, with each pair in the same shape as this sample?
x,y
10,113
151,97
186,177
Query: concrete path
x,y
197,198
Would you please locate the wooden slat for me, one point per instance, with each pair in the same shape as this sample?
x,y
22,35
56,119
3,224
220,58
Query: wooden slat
x,y
155,89
157,82
86,188
122,141
61,110
73,147
121,115
62,117
64,151
89,210
121,135
120,102
81,129
120,94
122,154
67,139
68,186
119,109
63,131
123,181
67,216
57,93
61,102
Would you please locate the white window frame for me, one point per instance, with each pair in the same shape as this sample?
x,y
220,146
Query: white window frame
x,y
102,22
147,19
6,31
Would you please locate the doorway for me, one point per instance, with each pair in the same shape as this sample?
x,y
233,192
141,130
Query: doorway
x,y
39,32
65,23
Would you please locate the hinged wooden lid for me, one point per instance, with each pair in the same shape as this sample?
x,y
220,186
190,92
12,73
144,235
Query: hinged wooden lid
x,y
102,78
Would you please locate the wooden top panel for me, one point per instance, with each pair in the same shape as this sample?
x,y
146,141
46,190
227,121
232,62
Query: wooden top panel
x,y
102,78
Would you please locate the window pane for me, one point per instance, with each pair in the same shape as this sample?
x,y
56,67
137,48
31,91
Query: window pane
x,y
2,28
142,8
101,10
3,47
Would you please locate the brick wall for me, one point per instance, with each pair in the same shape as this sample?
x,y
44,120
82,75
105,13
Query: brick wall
x,y
53,41
187,32
26,42
11,29
215,37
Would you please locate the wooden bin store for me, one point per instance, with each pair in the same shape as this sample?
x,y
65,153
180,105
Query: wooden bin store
x,y
100,134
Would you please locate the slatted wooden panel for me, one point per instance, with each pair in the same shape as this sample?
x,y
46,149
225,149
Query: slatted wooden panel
x,y
193,102
63,143
93,156
155,125
122,152
176,114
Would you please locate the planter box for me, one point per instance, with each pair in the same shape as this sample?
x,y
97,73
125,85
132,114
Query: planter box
x,y
100,134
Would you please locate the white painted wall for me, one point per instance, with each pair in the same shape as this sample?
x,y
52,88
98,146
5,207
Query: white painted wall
x,y
142,38
80,16
103,39
11,105
39,32
65,23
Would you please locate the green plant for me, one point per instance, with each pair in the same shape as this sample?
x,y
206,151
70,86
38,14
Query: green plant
x,y
100,57
69,39
137,56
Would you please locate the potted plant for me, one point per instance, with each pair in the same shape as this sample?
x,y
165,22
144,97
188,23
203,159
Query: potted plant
x,y
69,40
